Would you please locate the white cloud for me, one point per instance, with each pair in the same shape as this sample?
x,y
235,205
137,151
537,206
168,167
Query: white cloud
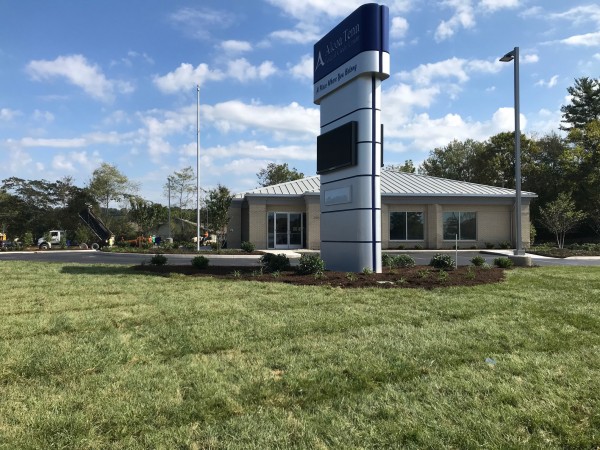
x,y
304,69
550,83
74,161
399,102
530,58
426,73
185,77
545,121
292,119
463,16
504,120
53,143
7,114
583,40
45,116
79,72
242,70
258,149
310,10
398,27
423,133
453,68
197,22
16,159
495,5
580,14
302,33
312,15
235,47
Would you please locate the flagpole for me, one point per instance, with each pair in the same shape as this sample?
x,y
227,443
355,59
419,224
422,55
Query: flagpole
x,y
198,167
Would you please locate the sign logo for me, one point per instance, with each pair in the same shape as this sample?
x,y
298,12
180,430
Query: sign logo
x,y
366,29
320,62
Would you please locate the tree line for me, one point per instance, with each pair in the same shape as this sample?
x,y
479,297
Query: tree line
x,y
36,206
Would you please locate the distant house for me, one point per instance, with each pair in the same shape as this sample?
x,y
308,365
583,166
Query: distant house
x,y
416,211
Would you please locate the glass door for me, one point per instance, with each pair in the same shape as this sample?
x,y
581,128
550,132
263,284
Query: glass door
x,y
281,230
295,236
285,230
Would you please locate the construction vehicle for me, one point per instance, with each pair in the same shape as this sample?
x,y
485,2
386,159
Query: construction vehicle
x,y
3,241
104,235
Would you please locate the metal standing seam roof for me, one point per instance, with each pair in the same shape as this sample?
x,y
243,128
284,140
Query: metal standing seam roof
x,y
395,183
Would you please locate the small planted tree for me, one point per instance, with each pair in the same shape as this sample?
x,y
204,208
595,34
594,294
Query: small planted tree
x,y
218,202
560,216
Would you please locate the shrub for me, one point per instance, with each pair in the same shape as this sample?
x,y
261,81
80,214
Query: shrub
x,y
478,261
367,271
200,262
158,260
310,264
387,260
443,276
504,245
28,239
404,261
489,245
470,275
275,263
503,262
418,247
248,247
442,261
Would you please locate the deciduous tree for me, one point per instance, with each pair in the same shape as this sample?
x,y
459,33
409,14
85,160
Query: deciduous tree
x,y
277,173
560,216
407,167
218,203
109,184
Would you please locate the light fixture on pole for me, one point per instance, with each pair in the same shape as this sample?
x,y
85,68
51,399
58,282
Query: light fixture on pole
x,y
513,55
198,168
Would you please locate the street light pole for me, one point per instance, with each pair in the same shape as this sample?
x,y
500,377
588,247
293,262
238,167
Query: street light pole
x,y
514,56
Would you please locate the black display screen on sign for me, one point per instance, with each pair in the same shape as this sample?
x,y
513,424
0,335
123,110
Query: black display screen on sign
x,y
337,148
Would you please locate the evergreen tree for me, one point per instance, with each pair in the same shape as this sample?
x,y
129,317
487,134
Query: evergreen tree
x,y
585,104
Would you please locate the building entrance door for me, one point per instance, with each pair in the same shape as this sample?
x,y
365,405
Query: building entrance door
x,y
285,230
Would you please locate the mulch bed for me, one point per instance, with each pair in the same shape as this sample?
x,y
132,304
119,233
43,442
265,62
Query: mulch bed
x,y
424,277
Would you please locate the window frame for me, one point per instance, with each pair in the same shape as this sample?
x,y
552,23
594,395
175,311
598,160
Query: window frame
x,y
460,224
406,223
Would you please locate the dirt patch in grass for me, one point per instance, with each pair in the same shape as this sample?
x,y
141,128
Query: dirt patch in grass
x,y
415,277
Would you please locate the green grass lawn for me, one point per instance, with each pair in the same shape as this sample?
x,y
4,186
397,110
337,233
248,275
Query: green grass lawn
x,y
100,357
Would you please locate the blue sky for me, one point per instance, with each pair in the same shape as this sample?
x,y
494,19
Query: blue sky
x,y
115,81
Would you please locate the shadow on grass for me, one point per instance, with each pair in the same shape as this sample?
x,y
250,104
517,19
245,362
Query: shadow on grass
x,y
105,270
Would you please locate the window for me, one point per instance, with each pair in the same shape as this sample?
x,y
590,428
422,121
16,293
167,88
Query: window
x,y
406,226
461,224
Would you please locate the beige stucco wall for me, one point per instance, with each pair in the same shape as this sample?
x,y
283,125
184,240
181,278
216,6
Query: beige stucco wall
x,y
313,219
494,221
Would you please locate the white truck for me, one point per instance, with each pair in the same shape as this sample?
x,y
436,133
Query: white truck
x,y
105,237
54,238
